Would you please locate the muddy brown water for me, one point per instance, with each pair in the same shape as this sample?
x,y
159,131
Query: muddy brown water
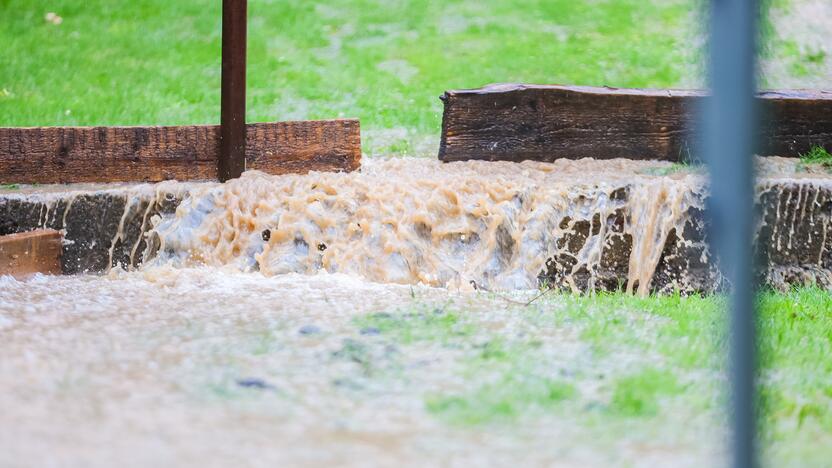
x,y
473,225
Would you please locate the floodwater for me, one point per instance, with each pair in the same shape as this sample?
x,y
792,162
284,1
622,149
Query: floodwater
x,y
211,367
244,338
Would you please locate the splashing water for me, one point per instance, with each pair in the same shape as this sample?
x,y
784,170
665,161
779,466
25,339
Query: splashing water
x,y
488,225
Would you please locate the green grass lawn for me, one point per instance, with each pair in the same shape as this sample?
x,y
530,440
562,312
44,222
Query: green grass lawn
x,y
132,62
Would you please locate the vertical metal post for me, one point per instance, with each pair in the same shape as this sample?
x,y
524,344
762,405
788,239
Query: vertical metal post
x,y
729,132
232,160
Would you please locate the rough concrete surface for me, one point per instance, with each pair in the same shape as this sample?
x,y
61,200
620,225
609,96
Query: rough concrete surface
x,y
92,221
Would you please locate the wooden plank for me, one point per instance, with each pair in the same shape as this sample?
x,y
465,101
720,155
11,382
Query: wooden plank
x,y
232,161
517,122
47,155
31,252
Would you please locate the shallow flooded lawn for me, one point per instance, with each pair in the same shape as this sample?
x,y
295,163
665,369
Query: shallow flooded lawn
x,y
211,367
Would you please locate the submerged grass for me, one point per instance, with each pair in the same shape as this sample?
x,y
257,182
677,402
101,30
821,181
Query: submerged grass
x,y
505,400
425,323
667,170
639,394
649,359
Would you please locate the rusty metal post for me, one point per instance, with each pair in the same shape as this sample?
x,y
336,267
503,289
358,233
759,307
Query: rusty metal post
x,y
232,161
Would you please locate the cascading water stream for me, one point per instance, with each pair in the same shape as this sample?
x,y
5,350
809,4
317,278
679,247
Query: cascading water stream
x,y
486,225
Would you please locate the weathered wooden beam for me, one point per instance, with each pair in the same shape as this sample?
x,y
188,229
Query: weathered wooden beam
x,y
150,154
517,122
31,252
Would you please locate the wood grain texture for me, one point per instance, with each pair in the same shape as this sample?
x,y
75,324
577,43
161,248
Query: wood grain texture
x,y
31,252
519,122
48,155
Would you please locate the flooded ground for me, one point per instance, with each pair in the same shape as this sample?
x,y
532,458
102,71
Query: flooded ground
x,y
210,367
245,342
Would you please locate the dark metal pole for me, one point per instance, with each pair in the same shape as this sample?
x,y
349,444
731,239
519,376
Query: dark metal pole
x,y
232,160
729,144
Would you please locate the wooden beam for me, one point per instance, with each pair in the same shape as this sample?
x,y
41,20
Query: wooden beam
x,y
232,160
31,252
517,122
48,155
